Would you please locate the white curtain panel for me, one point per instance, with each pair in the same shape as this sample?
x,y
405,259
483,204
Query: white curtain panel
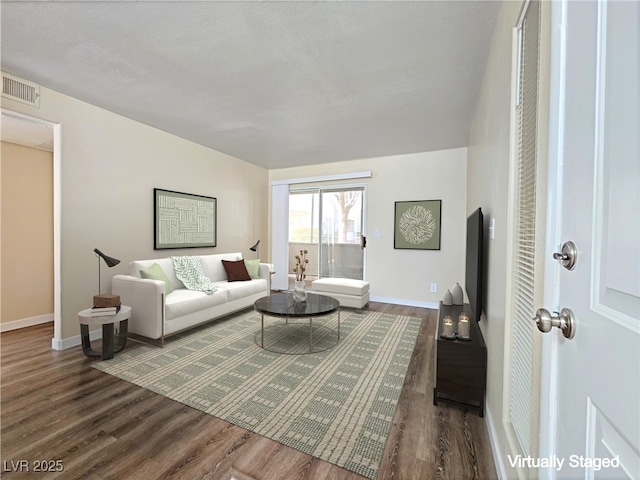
x,y
280,236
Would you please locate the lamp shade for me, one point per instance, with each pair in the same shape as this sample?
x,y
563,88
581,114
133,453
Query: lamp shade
x,y
255,247
110,261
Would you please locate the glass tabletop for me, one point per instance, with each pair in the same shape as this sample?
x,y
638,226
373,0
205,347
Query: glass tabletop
x,y
282,304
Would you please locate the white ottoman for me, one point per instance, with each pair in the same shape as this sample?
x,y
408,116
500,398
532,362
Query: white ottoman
x,y
350,293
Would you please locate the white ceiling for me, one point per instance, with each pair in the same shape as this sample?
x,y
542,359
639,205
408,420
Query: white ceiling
x,y
277,84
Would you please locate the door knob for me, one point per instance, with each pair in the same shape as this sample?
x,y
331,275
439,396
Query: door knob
x,y
565,321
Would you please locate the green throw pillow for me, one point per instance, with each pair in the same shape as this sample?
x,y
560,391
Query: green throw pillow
x,y
253,267
155,272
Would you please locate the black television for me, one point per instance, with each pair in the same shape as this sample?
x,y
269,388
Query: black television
x,y
474,262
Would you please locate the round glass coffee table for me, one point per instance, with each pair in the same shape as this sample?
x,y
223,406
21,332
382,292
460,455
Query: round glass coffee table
x,y
297,335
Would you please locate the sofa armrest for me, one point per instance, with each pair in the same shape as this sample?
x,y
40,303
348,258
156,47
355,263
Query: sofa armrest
x,y
146,299
265,272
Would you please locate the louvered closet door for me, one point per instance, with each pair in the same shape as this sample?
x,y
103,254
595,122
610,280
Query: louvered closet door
x,y
528,240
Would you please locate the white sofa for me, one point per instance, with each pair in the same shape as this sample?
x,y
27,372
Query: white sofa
x,y
156,315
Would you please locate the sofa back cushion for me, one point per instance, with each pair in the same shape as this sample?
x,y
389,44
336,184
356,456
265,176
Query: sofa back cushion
x,y
212,265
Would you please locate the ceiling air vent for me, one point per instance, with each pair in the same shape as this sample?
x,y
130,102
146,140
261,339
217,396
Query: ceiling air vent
x,y
20,90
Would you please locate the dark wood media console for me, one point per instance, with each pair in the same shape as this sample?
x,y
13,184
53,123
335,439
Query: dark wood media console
x,y
461,365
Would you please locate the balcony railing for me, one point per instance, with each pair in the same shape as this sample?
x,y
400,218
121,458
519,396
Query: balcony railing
x,y
340,260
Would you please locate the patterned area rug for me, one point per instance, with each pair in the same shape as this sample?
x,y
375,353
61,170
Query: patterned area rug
x,y
337,405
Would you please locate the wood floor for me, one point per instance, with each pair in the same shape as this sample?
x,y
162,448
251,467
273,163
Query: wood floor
x,y
56,408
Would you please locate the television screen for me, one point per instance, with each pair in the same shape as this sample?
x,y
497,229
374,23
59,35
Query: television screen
x,y
474,262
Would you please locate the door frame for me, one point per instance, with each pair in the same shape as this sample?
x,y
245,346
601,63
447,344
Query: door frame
x,y
56,341
323,189
550,343
280,210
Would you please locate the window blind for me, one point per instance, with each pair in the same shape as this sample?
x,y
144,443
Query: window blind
x,y
521,378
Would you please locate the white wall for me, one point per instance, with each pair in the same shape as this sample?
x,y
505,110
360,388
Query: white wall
x,y
110,165
27,235
403,276
487,187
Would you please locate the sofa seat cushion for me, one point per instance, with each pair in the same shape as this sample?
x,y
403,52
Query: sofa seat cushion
x,y
182,302
236,290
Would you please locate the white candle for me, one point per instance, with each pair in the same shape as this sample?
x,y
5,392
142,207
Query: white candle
x,y
463,326
447,327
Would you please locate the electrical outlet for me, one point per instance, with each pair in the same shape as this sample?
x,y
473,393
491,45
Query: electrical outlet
x,y
434,288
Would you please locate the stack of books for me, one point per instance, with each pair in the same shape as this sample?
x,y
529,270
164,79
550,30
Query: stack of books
x,y
105,305
99,311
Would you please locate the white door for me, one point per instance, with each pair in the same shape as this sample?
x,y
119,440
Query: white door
x,y
597,426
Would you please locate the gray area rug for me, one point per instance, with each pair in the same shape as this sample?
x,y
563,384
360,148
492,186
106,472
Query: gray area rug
x,y
337,405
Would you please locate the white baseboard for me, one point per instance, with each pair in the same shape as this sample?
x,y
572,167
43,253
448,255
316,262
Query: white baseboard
x,y
498,457
26,322
404,301
64,343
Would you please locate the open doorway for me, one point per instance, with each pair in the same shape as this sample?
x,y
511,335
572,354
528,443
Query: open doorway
x,y
30,139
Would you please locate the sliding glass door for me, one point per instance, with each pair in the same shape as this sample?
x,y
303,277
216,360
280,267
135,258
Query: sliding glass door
x,y
341,252
328,222
304,230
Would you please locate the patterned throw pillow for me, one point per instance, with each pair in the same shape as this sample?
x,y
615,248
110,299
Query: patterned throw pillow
x,y
155,272
189,271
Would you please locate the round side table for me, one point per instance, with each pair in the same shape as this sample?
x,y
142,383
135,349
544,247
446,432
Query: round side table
x,y
110,344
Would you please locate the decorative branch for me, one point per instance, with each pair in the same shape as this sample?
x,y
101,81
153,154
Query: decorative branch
x,y
301,265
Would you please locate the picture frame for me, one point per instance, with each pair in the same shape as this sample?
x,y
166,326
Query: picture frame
x,y
183,220
417,225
